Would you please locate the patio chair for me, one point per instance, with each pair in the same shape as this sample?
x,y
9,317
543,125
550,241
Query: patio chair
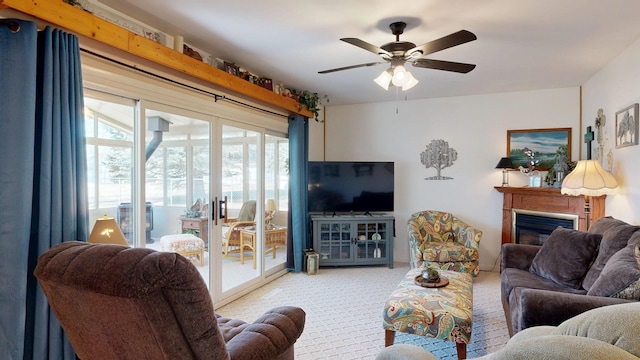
x,y
231,241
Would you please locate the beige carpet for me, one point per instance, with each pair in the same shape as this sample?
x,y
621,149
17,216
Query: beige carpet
x,y
344,312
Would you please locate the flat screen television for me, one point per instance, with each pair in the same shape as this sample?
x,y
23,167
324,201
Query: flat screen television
x,y
350,186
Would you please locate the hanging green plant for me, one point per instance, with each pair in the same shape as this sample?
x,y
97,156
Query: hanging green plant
x,y
311,101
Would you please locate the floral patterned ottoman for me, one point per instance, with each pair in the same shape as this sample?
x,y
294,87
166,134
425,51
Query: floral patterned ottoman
x,y
187,245
443,313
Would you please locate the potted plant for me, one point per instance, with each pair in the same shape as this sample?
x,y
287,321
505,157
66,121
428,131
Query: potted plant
x,y
311,101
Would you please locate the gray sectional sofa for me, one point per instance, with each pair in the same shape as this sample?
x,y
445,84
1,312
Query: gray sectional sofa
x,y
572,272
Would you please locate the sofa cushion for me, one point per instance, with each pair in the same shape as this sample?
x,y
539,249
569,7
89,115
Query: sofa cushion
x,y
565,256
620,276
615,236
617,325
446,251
635,238
512,278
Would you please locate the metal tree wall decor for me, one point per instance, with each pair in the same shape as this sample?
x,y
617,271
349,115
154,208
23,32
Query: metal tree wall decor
x,y
438,155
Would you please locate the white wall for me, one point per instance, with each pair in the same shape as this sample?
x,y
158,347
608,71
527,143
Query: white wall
x,y
475,126
615,87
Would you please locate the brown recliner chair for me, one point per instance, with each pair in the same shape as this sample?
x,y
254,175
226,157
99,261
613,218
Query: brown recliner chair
x,y
116,302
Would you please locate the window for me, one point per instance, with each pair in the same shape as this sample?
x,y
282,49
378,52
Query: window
x,y
109,133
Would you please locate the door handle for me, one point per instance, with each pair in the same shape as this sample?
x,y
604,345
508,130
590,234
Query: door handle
x,y
223,208
213,211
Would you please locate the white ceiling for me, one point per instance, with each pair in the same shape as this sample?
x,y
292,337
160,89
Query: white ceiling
x,y
522,44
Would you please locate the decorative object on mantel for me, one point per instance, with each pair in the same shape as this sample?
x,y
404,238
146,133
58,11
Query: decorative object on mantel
x,y
505,164
542,142
531,163
627,126
589,179
560,169
438,155
588,138
535,179
610,160
600,122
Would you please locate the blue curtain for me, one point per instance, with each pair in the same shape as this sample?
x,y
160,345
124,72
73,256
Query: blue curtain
x,y
43,194
298,236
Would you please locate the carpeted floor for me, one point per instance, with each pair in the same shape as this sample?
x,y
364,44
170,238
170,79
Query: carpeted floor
x,y
344,312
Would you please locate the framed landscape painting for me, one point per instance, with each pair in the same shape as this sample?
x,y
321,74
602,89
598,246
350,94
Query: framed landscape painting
x,y
543,142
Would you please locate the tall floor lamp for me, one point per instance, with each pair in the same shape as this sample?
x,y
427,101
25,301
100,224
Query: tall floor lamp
x,y
589,179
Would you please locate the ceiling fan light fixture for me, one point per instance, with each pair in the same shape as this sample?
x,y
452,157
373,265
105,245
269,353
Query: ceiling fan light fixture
x,y
411,83
399,53
400,76
384,79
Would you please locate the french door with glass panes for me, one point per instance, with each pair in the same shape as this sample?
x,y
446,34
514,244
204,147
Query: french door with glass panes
x,y
176,180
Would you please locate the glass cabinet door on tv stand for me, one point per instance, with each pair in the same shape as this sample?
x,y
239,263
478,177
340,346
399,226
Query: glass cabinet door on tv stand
x,y
353,240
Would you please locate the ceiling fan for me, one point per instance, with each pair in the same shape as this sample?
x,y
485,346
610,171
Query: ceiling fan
x,y
398,53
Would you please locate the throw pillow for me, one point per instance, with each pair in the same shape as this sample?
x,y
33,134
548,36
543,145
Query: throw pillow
x,y
621,275
615,234
565,256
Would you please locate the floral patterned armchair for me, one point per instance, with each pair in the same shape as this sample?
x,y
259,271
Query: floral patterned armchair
x,y
440,239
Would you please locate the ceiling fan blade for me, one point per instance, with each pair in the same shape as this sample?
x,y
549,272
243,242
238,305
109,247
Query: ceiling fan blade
x,y
369,47
451,40
444,65
350,67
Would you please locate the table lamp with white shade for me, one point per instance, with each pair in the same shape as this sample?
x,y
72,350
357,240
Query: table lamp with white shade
x,y
589,179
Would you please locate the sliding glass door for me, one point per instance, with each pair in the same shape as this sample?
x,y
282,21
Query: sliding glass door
x,y
241,207
177,182
254,203
179,172
276,189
